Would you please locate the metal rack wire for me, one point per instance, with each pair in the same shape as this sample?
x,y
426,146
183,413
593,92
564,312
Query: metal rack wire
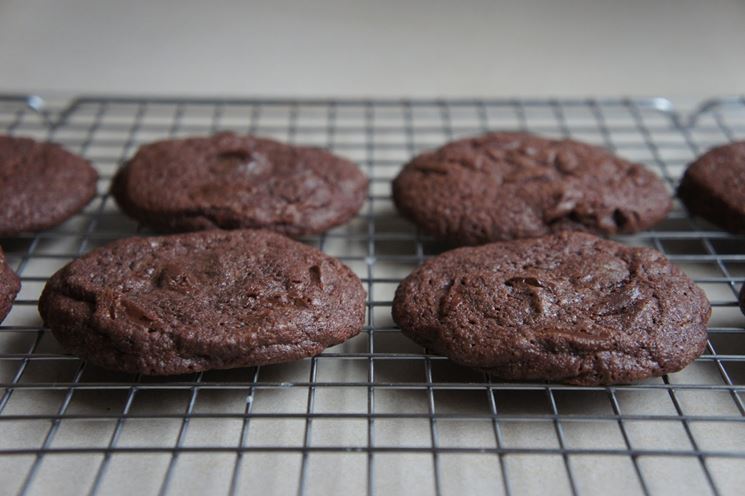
x,y
375,415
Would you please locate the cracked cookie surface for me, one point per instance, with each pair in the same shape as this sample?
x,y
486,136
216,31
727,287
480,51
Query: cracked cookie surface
x,y
10,284
568,307
41,185
206,300
229,181
503,186
713,186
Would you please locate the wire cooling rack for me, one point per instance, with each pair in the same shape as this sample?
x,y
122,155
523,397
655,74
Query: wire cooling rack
x,y
375,415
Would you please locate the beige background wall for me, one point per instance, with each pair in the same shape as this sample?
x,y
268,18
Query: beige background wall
x,y
385,47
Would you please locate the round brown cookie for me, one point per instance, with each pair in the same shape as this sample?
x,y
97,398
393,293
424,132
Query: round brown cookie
x,y
10,284
569,307
229,181
41,185
208,300
502,186
714,186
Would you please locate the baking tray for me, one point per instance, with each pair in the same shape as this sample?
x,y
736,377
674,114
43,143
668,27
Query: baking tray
x,y
375,415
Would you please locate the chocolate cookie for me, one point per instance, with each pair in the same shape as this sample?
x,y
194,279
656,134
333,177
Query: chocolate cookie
x,y
714,187
569,307
229,181
41,185
502,186
10,284
208,300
